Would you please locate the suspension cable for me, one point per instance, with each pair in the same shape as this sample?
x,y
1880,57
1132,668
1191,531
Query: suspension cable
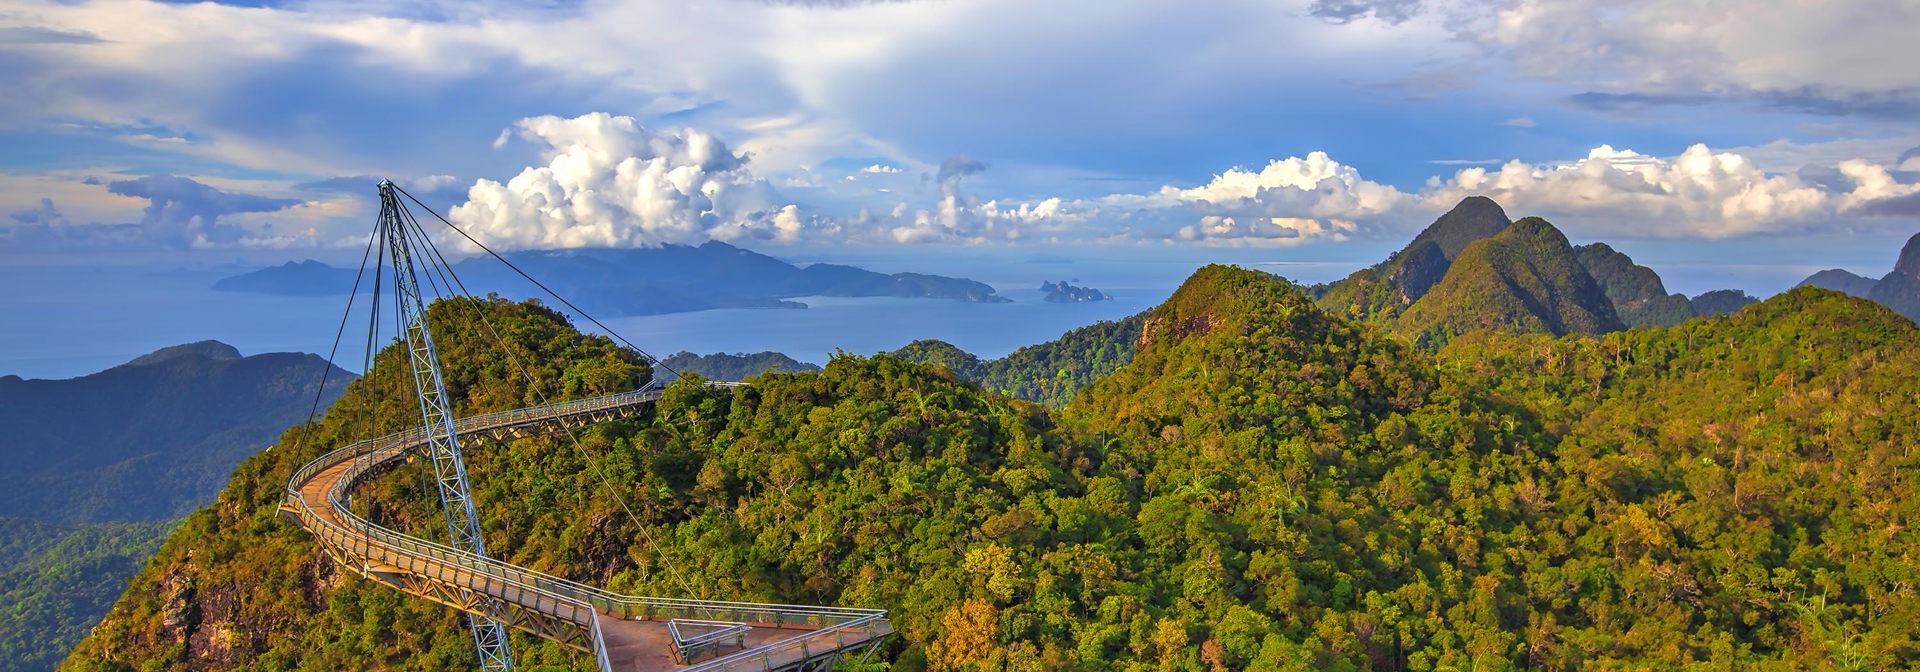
x,y
435,258
300,444
516,269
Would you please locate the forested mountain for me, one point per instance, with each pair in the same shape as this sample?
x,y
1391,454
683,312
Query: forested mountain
x,y
1637,294
1265,486
1840,280
237,587
1049,373
1473,270
734,367
1526,279
57,581
99,466
1384,290
152,439
646,281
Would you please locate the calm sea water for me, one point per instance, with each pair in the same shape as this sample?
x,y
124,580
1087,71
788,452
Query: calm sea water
x,y
66,322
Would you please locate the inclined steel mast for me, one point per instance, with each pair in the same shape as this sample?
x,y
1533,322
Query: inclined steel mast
x,y
436,415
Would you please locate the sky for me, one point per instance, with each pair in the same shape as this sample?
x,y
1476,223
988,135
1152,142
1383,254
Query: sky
x,y
1687,132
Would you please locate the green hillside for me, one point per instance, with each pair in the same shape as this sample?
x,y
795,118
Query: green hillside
x,y
1048,373
1265,486
735,367
1637,294
56,582
1526,279
1720,302
1381,292
237,587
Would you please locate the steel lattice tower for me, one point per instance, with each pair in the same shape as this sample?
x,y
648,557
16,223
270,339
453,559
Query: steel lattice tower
x,y
436,415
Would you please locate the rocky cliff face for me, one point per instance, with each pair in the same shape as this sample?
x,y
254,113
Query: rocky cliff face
x,y
1900,290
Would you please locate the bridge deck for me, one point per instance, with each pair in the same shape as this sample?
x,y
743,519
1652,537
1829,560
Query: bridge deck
x,y
633,643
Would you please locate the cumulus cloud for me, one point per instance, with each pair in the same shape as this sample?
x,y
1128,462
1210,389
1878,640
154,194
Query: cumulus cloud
x,y
964,218
1316,184
1250,231
184,213
880,169
609,182
1288,202
1699,193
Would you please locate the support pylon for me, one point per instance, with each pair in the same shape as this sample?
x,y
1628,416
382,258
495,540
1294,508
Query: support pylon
x,y
436,415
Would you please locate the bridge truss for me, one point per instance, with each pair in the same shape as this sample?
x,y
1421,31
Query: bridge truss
x,y
625,633
436,417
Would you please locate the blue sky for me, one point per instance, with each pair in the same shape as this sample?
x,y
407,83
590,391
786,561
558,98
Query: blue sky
x,y
1687,132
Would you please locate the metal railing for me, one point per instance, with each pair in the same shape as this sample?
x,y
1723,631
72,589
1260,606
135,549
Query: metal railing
x,y
599,646
717,633
832,628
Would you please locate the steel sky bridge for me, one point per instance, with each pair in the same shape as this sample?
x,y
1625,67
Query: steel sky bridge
x,y
625,633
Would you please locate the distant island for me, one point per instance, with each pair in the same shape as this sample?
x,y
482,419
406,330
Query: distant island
x,y
1061,292
734,367
645,281
302,278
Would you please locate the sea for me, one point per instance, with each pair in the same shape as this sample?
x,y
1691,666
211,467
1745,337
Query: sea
x,y
67,321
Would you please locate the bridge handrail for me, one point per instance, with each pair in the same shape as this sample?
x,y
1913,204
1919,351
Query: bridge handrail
x,y
372,453
599,650
867,625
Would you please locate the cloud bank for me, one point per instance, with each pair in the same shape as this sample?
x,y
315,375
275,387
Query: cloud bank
x,y
1697,194
608,182
184,213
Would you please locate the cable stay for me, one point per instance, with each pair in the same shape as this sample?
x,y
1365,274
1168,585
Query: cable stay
x,y
493,594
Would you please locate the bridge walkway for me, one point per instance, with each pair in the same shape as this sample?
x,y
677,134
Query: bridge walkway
x,y
626,633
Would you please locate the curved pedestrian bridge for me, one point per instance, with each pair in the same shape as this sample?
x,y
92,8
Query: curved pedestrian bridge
x,y
625,633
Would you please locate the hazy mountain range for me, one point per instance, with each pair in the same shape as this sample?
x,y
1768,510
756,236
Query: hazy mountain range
x,y
643,281
100,467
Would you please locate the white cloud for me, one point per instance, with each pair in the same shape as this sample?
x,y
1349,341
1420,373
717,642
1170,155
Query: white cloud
x,y
1316,185
1697,194
608,182
880,169
1247,231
